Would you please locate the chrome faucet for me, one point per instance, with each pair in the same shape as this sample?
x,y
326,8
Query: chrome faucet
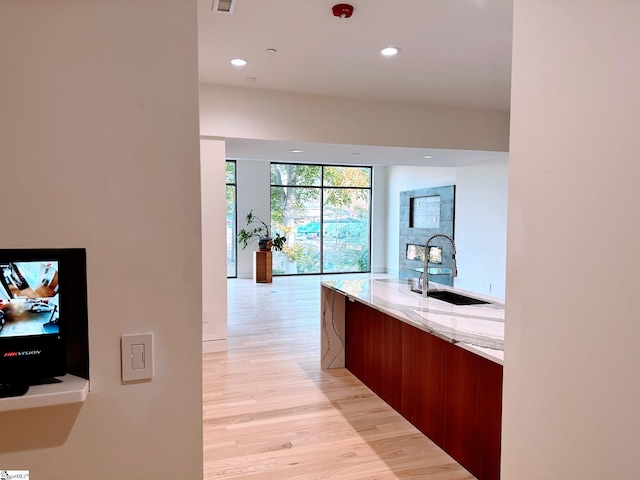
x,y
425,275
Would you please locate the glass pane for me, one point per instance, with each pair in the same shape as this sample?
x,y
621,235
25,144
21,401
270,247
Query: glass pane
x,y
232,246
347,177
415,252
345,230
231,172
295,213
292,174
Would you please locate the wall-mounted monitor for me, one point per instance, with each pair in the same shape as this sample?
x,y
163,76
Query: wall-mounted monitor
x,y
43,304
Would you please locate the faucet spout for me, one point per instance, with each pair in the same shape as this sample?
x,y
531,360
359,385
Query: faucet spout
x,y
425,269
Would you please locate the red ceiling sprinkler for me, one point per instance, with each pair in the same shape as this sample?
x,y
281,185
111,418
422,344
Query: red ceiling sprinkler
x,y
342,10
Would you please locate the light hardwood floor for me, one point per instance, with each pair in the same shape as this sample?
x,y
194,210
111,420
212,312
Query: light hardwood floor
x,y
271,413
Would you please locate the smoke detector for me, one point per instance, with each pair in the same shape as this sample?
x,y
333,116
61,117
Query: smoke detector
x,y
342,10
223,6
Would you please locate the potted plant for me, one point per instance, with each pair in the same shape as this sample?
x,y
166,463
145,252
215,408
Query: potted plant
x,y
257,229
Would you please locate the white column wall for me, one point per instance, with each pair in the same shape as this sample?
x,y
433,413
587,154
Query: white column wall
x,y
379,220
481,227
214,279
572,380
99,149
253,193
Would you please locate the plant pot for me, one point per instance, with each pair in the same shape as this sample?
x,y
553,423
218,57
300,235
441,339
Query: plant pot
x,y
264,244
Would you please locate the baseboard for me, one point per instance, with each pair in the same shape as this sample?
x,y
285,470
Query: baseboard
x,y
380,270
210,346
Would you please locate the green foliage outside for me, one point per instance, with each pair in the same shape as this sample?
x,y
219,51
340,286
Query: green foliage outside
x,y
296,190
231,189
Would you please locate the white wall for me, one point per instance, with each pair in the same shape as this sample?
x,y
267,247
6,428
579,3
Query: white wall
x,y
253,192
379,220
214,266
401,179
260,114
481,204
571,378
480,219
265,115
99,149
481,227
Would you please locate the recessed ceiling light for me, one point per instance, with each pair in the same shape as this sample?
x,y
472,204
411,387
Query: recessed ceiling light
x,y
428,156
389,51
251,79
238,62
296,150
271,50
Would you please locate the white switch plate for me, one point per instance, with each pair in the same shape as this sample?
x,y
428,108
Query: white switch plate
x,y
137,357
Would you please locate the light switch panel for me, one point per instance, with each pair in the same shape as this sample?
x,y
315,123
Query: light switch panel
x,y
137,357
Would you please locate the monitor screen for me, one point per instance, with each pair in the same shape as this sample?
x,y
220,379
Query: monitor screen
x,y
43,316
29,300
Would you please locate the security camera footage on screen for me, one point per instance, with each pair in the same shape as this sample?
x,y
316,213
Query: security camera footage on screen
x,y
29,298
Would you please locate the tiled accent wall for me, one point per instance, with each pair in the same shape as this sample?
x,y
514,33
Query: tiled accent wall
x,y
422,204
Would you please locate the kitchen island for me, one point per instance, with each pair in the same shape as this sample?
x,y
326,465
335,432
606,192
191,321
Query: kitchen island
x,y
437,364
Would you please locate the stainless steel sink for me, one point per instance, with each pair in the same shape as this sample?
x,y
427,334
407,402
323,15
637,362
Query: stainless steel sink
x,y
452,297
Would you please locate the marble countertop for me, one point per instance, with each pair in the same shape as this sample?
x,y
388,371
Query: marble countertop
x,y
477,328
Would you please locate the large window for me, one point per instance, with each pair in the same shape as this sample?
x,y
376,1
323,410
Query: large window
x,y
232,246
325,213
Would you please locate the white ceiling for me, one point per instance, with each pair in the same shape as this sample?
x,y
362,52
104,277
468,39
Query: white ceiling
x,y
453,52
248,149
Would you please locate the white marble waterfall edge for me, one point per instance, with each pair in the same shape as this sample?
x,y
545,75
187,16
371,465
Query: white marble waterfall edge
x,y
332,328
477,328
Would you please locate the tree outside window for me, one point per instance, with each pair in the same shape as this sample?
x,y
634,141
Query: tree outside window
x,y
232,246
325,212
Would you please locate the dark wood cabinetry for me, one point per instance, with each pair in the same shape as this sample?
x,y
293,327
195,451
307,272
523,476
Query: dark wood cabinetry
x,y
378,368
450,394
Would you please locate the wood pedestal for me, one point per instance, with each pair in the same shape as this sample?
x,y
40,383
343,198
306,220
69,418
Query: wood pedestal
x,y
262,267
